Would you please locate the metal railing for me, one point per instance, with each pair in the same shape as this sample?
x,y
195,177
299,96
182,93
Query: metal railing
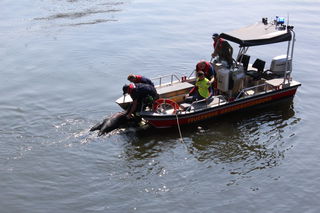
x,y
263,88
221,99
161,78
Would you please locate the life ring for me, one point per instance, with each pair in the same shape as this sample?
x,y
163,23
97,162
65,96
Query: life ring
x,y
160,103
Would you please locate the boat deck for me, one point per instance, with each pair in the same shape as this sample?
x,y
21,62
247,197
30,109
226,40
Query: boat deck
x,y
268,86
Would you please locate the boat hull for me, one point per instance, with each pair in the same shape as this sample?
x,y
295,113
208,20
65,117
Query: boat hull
x,y
165,121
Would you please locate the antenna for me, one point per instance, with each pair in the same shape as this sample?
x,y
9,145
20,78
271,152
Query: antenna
x,y
288,18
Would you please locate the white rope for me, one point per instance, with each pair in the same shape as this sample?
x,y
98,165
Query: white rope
x,y
179,127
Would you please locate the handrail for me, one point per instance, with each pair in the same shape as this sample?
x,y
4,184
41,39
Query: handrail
x,y
220,97
287,74
191,74
251,88
172,77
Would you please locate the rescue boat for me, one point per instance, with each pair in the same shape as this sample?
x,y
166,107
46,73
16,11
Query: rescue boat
x,y
239,86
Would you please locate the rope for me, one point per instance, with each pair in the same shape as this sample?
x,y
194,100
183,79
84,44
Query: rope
x,y
179,127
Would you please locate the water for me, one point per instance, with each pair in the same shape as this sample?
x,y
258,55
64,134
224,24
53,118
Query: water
x,y
63,63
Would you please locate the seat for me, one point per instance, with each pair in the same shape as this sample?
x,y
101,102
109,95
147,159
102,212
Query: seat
x,y
259,65
244,59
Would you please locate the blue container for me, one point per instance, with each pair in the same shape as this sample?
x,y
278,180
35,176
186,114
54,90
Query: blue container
x,y
280,20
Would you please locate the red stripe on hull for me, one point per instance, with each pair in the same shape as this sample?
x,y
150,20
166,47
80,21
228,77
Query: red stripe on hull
x,y
163,122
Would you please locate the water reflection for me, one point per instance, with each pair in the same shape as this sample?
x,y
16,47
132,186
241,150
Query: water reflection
x,y
74,15
245,141
251,140
149,143
98,21
82,12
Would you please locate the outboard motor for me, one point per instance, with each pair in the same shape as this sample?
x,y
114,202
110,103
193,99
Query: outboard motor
x,y
278,65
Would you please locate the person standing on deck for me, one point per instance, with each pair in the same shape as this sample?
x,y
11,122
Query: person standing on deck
x,y
222,48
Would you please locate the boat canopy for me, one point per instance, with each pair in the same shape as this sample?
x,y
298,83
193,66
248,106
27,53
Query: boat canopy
x,y
260,33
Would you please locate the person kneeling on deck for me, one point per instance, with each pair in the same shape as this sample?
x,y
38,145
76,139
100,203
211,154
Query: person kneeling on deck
x,y
139,79
142,95
200,90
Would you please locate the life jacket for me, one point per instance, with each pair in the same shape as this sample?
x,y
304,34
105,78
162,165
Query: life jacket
x,y
203,87
220,41
144,80
206,69
138,78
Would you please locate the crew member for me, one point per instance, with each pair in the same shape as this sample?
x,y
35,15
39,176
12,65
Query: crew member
x,y
140,94
139,79
222,48
200,90
207,69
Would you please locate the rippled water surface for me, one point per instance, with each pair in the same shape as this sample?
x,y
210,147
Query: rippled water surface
x,y
63,63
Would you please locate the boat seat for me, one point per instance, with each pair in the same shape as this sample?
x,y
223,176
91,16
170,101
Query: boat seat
x,y
257,69
244,60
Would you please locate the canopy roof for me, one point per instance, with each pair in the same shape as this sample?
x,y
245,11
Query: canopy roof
x,y
258,34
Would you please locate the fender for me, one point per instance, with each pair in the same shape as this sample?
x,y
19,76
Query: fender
x,y
160,102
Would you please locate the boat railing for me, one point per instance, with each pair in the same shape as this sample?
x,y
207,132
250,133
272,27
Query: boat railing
x,y
220,97
206,102
251,90
160,79
192,74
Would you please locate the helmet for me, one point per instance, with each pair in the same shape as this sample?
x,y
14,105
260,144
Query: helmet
x,y
215,35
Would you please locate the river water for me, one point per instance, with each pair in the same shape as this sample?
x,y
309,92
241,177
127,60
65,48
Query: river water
x,y
63,63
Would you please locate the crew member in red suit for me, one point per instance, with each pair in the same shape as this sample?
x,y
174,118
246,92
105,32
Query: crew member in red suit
x,y
207,69
222,48
139,79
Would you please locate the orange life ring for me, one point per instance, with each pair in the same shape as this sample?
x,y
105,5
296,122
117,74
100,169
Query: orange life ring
x,y
160,102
